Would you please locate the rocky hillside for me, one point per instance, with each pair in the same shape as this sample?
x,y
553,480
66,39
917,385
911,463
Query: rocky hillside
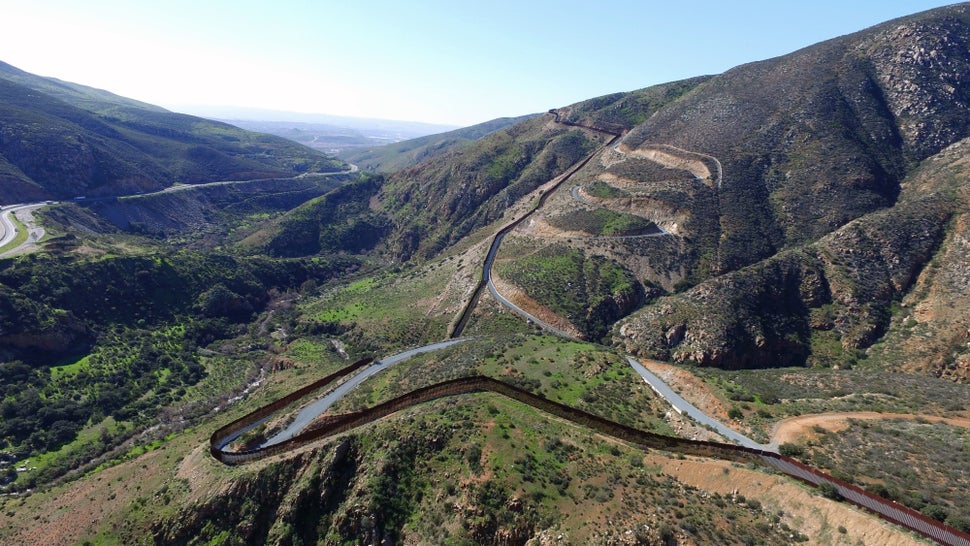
x,y
779,186
60,140
820,193
808,210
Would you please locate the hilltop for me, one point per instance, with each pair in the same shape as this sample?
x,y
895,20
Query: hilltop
x,y
62,140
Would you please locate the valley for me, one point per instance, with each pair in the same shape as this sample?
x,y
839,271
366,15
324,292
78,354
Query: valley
x,y
291,438
729,309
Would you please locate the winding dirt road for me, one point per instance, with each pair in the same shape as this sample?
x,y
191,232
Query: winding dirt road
x,y
793,428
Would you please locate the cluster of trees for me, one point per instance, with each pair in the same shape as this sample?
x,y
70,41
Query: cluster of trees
x,y
129,376
139,322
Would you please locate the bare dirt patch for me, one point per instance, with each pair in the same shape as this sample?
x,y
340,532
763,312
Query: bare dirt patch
x,y
67,514
804,426
670,160
690,387
815,516
538,227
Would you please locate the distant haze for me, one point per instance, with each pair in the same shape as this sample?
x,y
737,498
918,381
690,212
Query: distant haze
x,y
412,128
330,134
454,63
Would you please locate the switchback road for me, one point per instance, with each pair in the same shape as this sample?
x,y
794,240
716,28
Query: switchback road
x,y
747,450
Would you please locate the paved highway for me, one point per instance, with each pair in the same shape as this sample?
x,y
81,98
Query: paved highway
x,y
686,408
8,228
182,187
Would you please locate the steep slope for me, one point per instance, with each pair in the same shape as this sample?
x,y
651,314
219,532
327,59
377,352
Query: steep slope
x,y
340,221
401,155
813,139
895,95
838,290
80,141
735,169
794,211
81,96
442,200
740,170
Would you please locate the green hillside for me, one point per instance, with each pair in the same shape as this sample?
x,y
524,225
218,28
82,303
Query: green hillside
x,y
786,245
401,155
63,140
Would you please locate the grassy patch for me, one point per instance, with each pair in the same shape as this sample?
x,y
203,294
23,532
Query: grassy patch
x,y
61,372
590,292
379,313
310,351
604,223
598,188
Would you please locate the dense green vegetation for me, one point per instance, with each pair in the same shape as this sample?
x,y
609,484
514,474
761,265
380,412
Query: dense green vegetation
x,y
127,289
119,336
338,222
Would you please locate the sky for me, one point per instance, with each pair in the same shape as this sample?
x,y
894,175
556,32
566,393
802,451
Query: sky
x,y
454,62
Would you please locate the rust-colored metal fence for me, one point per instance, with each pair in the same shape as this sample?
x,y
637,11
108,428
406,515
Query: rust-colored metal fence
x,y
335,424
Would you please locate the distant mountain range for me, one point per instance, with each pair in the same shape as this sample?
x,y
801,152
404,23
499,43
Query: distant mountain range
x,y
396,156
327,133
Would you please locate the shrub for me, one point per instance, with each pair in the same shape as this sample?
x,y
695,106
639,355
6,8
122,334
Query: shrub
x,y
829,491
789,449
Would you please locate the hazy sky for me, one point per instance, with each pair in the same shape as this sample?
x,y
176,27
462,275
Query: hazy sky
x,y
455,62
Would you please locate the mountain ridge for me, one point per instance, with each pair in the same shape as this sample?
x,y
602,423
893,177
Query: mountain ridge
x,y
808,211
81,141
